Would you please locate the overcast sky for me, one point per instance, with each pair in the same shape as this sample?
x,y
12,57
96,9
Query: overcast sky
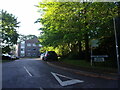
x,y
26,12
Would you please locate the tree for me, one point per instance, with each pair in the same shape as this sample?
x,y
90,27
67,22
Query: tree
x,y
8,31
26,37
73,24
60,26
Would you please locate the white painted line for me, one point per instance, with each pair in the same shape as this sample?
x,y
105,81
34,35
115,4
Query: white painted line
x,y
27,71
58,79
65,83
41,88
17,60
63,76
70,82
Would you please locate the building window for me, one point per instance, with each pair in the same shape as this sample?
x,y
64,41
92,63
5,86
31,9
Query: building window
x,y
34,49
28,50
34,54
28,44
28,54
22,49
34,44
23,44
22,52
22,55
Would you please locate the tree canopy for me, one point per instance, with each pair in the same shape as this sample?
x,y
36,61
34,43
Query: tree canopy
x,y
26,37
71,25
8,31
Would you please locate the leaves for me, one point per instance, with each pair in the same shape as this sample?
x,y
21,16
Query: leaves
x,y
67,23
26,37
9,33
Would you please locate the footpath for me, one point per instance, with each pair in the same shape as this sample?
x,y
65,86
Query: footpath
x,y
85,71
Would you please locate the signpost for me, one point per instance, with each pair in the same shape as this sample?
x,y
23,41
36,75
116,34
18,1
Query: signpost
x,y
96,58
99,58
93,43
116,42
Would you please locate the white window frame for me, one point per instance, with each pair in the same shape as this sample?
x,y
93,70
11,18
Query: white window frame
x,y
29,44
34,45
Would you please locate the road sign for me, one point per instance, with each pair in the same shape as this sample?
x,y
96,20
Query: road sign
x,y
94,43
99,56
71,81
99,59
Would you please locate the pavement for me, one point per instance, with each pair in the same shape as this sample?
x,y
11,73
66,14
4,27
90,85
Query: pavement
x,y
85,71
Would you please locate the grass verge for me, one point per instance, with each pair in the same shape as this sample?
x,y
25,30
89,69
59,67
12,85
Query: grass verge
x,y
84,64
2,61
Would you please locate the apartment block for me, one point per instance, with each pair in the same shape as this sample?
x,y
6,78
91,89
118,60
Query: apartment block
x,y
29,48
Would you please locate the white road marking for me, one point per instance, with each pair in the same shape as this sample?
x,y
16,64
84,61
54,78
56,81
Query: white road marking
x,y
27,71
17,60
41,88
65,83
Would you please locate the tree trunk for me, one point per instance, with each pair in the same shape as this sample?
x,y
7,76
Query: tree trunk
x,y
86,35
80,48
86,47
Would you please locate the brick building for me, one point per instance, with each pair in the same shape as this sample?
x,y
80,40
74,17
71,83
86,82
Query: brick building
x,y
28,48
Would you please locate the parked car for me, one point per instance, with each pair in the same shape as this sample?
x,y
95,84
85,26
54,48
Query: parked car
x,y
9,57
42,56
17,57
13,57
50,55
6,57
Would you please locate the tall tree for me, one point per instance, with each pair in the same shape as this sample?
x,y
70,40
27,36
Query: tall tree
x,y
9,34
73,24
26,37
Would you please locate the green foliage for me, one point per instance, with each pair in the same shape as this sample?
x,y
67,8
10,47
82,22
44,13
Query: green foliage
x,y
26,37
66,24
9,34
6,49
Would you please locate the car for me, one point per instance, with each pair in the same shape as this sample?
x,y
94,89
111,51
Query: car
x,y
17,57
42,56
13,57
50,55
6,57
9,57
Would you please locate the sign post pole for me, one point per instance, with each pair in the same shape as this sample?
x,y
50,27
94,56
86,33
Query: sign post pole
x,y
91,56
94,43
116,46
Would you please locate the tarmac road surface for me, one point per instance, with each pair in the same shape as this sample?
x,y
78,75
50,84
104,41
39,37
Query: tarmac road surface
x,y
35,73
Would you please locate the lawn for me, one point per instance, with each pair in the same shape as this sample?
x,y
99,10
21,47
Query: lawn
x,y
84,64
81,63
2,61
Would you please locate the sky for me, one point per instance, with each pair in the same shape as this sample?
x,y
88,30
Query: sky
x,y
26,13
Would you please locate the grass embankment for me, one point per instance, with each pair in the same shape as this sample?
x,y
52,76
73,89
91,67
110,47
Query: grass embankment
x,y
2,61
103,66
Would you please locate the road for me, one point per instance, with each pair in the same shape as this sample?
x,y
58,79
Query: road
x,y
35,73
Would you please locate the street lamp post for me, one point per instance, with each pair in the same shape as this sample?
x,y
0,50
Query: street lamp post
x,y
116,42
